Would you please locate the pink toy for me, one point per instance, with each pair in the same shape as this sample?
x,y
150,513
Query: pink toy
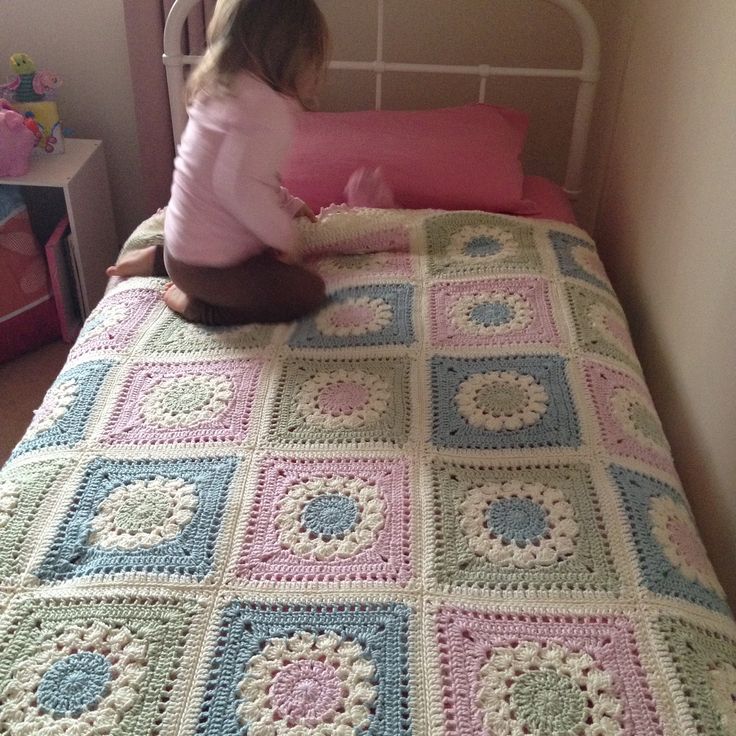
x,y
45,83
16,143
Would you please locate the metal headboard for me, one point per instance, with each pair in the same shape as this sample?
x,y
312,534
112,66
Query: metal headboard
x,y
587,75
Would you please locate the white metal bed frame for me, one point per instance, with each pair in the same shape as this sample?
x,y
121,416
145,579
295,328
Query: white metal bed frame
x,y
175,62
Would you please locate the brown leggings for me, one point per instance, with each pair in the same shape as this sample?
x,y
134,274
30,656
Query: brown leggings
x,y
261,289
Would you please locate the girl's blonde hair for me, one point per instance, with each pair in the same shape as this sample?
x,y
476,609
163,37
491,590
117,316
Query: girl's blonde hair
x,y
272,39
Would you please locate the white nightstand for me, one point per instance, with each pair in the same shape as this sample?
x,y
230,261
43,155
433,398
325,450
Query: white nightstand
x,y
80,172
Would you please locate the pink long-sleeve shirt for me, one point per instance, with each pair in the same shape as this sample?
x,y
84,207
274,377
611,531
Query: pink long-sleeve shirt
x,y
226,201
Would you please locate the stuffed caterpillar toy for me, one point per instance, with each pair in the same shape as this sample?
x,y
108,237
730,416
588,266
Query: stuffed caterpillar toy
x,y
30,85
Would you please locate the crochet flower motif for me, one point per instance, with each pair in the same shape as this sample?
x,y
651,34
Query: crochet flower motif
x,y
546,689
77,682
491,313
673,529
102,321
55,405
330,518
144,513
343,399
501,400
607,322
9,497
637,419
474,242
356,316
589,261
722,680
520,524
308,685
185,401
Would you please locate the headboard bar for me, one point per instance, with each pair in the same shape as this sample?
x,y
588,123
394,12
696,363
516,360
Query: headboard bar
x,y
480,70
379,56
587,75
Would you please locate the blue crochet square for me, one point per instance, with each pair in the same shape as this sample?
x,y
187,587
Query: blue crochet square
x,y
62,418
379,314
672,559
579,259
503,403
149,516
277,664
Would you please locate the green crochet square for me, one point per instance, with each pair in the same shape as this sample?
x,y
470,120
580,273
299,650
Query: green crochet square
x,y
330,403
23,488
519,528
705,667
93,665
476,243
600,325
171,334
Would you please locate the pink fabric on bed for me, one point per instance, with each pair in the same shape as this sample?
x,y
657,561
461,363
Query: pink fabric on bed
x,y
455,158
550,198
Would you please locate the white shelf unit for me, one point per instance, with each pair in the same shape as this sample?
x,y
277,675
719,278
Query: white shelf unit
x,y
81,173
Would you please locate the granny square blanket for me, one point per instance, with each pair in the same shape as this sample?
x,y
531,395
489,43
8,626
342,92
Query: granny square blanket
x,y
441,505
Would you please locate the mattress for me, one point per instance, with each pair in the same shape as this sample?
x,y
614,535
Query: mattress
x,y
443,504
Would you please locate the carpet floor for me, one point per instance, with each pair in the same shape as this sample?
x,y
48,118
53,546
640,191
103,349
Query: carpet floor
x,y
23,384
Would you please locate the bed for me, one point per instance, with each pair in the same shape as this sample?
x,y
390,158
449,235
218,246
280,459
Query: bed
x,y
443,504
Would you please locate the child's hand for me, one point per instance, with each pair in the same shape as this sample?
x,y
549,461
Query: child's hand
x,y
369,189
306,211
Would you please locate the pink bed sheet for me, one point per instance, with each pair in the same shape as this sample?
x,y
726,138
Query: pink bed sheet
x,y
550,198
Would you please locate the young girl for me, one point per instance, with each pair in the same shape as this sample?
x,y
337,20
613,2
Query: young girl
x,y
230,239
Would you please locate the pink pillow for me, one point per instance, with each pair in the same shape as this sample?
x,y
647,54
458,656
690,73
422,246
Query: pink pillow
x,y
454,158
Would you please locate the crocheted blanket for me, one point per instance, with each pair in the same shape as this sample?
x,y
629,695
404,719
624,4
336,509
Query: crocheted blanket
x,y
443,504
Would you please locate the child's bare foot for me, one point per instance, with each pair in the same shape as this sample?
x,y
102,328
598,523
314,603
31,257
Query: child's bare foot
x,y
176,300
137,263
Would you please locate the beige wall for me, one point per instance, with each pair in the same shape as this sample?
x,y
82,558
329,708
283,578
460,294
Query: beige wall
x,y
666,231
84,40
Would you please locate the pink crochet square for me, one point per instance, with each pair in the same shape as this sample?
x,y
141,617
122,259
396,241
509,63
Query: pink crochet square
x,y
627,418
541,674
185,402
506,311
368,268
329,520
116,321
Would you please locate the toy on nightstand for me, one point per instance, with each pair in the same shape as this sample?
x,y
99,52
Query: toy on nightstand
x,y
33,94
17,140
